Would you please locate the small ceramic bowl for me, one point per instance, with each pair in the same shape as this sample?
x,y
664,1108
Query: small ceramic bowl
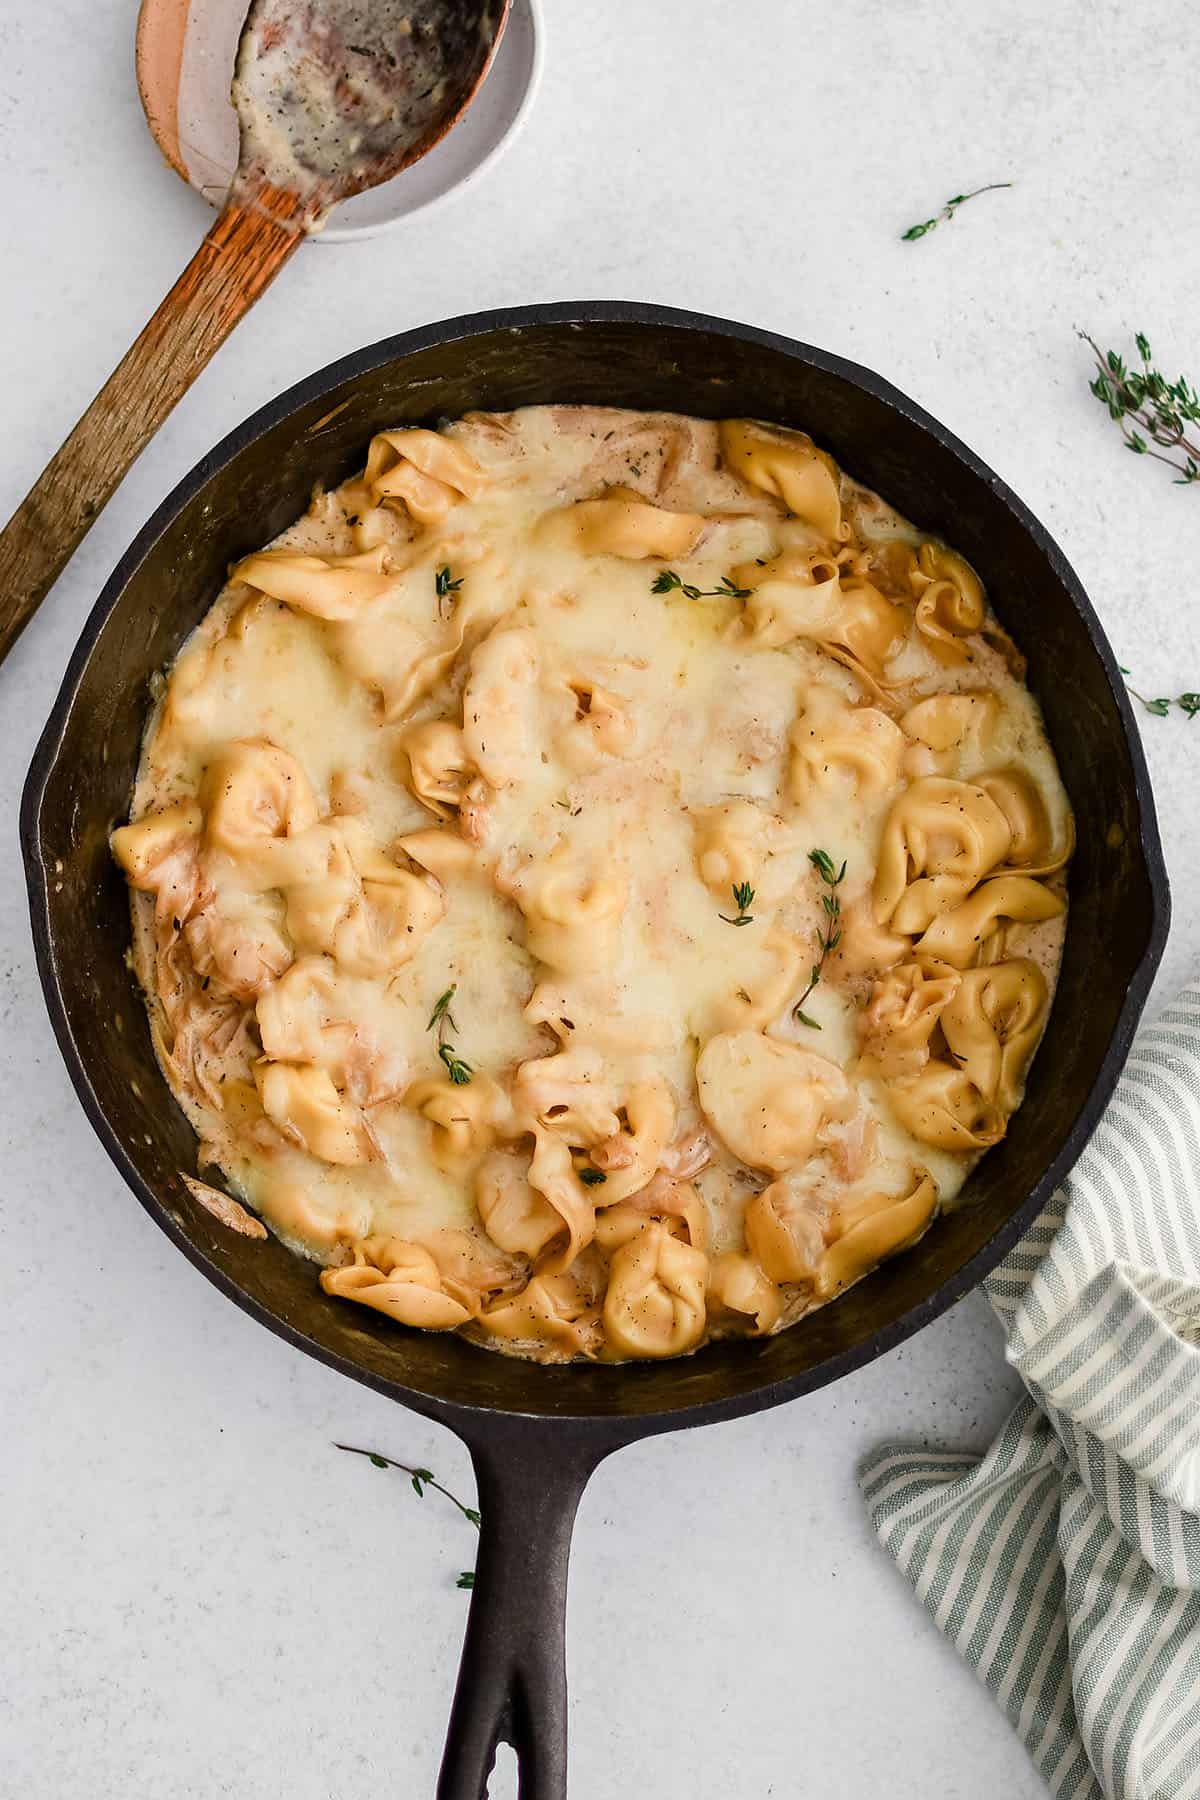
x,y
185,56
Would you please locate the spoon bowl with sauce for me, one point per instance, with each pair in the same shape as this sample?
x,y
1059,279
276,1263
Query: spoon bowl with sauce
x,y
332,97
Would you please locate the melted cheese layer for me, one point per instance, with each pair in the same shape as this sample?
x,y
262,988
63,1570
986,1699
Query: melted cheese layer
x,y
705,788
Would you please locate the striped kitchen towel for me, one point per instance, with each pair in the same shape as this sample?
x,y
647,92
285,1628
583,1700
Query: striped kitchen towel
x,y
1065,1564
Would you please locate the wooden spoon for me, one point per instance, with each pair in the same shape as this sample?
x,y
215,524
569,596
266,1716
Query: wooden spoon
x,y
332,96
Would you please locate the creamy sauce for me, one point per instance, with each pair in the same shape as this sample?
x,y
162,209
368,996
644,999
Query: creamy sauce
x,y
333,97
458,734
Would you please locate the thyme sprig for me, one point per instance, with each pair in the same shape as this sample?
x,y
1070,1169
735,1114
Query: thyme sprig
x,y
441,1019
441,1009
459,1071
421,1479
948,211
667,582
444,586
743,899
1160,706
1144,397
830,934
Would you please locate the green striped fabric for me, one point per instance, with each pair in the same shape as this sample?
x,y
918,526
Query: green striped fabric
x,y
1065,1564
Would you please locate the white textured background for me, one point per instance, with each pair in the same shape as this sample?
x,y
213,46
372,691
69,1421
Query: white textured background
x,y
201,1597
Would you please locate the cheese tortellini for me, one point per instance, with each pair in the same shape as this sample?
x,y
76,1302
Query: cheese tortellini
x,y
439,765
571,912
141,848
513,1213
424,472
464,1119
259,810
598,883
499,702
950,734
869,1228
329,587
557,1313
787,465
622,523
737,843
736,1284
767,1100
942,1106
905,1010
950,605
655,1303
811,599
941,837
302,1100
307,1015
784,1234
854,751
399,1279
992,1025
962,933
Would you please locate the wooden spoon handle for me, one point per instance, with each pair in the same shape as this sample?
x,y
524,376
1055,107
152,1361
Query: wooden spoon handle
x,y
247,246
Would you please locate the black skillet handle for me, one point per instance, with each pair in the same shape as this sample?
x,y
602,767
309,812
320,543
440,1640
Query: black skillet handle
x,y
512,1680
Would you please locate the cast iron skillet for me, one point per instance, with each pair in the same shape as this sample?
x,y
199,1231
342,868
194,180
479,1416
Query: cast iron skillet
x,y
535,1434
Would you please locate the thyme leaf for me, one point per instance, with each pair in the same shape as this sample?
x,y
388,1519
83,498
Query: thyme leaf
x,y
441,1009
743,899
420,1479
460,1072
445,587
1160,705
830,937
667,582
948,211
1143,397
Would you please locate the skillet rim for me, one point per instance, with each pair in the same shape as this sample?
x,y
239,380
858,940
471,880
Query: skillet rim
x,y
475,1422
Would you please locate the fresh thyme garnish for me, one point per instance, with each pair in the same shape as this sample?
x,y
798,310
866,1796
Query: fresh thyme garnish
x,y
948,211
444,586
830,936
1144,397
460,1072
1187,703
421,1479
743,896
668,581
592,1177
441,1009
442,1018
